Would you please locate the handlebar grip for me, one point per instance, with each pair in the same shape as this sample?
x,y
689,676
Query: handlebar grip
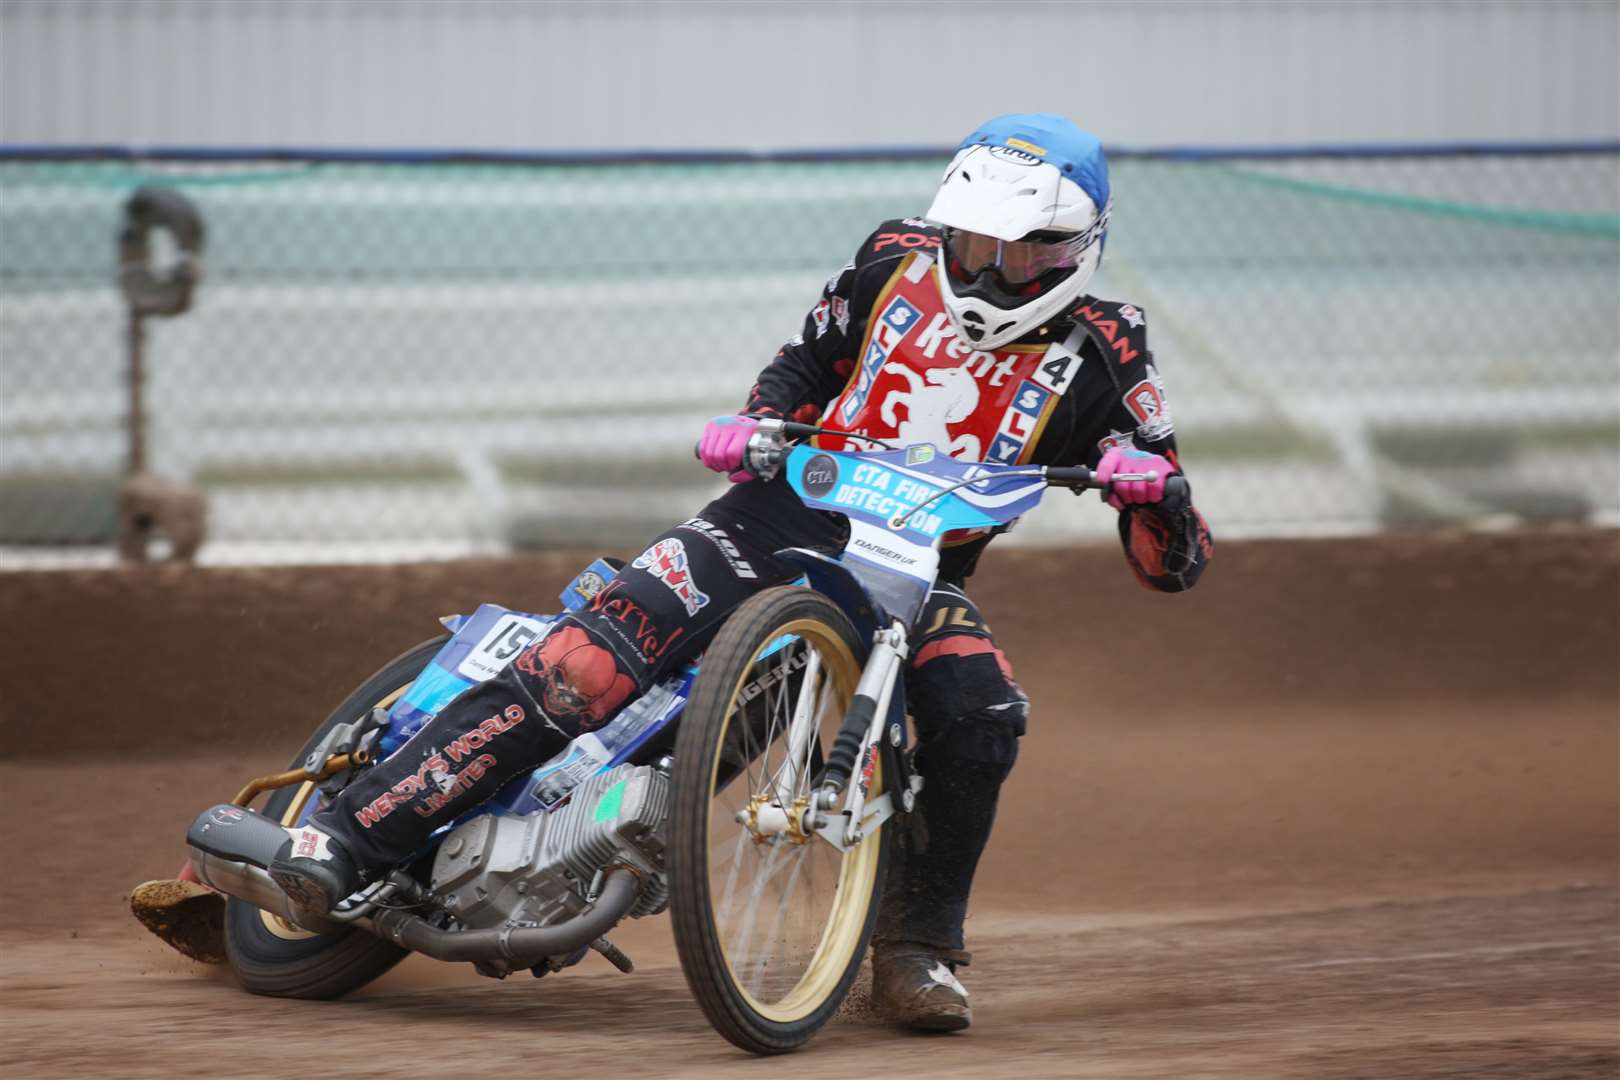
x,y
1077,475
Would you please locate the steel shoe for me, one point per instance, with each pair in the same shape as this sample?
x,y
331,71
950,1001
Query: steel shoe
x,y
916,985
314,870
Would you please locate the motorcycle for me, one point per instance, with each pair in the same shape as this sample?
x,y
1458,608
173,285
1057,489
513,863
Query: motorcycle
x,y
748,793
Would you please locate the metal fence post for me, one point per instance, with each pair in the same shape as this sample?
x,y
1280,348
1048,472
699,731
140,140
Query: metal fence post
x,y
149,505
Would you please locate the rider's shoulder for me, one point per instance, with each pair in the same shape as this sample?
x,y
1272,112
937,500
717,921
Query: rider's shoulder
x,y
897,238
873,262
1116,327
1126,317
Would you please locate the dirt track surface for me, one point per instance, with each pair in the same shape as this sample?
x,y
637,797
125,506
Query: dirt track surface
x,y
1362,824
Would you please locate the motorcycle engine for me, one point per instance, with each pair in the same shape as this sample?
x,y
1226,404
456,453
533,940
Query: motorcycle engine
x,y
535,870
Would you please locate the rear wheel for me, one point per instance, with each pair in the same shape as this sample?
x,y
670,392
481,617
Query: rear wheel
x,y
268,954
770,925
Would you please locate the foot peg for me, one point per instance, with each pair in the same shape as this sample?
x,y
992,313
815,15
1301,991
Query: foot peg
x,y
613,955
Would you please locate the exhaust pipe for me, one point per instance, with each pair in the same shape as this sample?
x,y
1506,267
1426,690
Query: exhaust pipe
x,y
245,881
518,947
232,847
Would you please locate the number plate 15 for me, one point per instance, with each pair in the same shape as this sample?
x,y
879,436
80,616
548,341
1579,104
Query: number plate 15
x,y
510,635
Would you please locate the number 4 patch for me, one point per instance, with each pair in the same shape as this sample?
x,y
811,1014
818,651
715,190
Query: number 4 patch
x,y
1057,369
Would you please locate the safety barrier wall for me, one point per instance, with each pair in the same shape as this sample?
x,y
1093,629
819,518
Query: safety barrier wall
x,y
418,354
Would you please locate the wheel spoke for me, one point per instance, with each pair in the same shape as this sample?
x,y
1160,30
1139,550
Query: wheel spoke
x,y
731,877
776,921
802,729
739,943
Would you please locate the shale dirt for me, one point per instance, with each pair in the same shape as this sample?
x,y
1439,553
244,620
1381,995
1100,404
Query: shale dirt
x,y
1350,809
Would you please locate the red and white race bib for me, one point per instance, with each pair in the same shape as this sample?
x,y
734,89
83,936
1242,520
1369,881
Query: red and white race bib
x,y
918,382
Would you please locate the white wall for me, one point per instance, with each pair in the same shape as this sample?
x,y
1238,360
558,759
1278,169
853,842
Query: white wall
x,y
516,74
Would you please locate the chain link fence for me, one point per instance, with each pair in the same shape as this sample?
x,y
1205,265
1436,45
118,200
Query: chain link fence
x,y
390,359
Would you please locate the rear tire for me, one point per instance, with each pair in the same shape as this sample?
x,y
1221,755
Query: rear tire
x,y
274,958
771,929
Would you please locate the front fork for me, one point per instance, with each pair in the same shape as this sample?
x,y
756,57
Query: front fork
x,y
860,740
840,811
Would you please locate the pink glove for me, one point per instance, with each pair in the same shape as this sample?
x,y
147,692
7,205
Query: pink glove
x,y
1119,460
725,438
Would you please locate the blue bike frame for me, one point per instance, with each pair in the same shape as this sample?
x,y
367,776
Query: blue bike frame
x,y
900,505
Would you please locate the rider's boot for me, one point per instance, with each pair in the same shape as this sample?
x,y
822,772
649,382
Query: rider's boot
x,y
918,941
315,870
562,685
915,984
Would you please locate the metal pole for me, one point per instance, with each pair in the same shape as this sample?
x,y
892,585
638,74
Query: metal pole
x,y
136,375
146,504
134,516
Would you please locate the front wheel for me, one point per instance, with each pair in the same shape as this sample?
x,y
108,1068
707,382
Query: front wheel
x,y
270,955
771,926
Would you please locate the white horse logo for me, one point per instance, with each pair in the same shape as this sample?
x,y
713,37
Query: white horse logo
x,y
949,396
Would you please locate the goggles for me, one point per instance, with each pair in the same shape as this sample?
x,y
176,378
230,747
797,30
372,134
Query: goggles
x,y
1022,261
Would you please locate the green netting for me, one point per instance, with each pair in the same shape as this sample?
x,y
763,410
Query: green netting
x,y
1592,224
397,221
464,354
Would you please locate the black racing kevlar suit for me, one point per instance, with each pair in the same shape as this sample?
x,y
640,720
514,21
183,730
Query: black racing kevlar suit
x,y
665,605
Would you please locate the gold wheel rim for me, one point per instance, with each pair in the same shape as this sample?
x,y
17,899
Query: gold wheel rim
x,y
852,897
275,924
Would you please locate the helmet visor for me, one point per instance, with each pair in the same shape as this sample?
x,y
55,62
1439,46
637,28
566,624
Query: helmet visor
x,y
1019,261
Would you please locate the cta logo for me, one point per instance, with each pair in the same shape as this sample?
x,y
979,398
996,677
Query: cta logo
x,y
820,475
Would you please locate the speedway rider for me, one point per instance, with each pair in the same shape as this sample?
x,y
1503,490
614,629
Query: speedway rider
x,y
970,329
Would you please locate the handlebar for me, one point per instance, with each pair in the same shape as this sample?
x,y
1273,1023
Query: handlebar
x,y
1080,478
790,430
765,451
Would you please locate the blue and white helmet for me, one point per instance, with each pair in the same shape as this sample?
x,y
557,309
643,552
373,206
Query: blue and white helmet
x,y
1024,207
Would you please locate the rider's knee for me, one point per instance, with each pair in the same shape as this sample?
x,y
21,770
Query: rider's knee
x,y
987,738
966,703
577,682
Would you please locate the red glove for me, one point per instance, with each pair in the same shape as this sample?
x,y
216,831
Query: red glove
x,y
725,440
1134,492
